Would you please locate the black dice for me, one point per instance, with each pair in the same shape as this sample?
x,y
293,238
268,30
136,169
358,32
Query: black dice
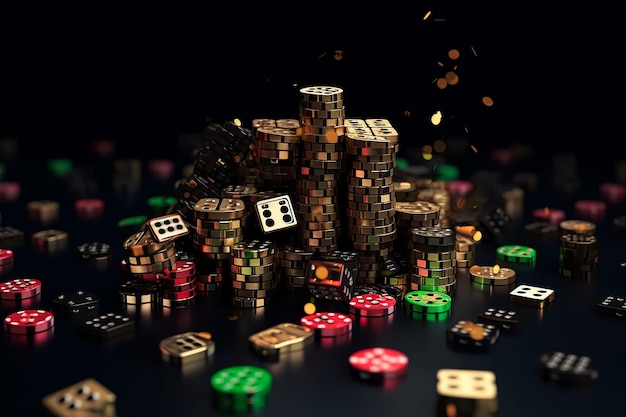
x,y
567,368
468,336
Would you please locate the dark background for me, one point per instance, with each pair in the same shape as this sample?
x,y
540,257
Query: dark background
x,y
141,76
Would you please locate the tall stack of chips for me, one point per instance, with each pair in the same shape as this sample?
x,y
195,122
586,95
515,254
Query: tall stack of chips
x,y
371,201
321,164
410,214
275,155
291,268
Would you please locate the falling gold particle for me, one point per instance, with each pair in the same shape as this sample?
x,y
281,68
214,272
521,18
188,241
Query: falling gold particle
x,y
436,117
496,269
454,54
427,15
427,156
487,101
407,113
474,148
237,122
309,308
427,149
477,236
232,317
440,63
323,55
452,78
439,146
442,83
451,410
460,203
338,55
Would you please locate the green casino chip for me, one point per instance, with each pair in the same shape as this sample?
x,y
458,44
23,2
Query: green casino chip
x,y
420,301
517,254
241,388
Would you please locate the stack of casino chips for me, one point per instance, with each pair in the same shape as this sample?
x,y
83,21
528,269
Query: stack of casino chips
x,y
275,154
215,164
178,284
244,193
440,196
253,273
396,271
410,214
320,166
465,251
219,225
578,256
291,267
145,261
371,220
433,259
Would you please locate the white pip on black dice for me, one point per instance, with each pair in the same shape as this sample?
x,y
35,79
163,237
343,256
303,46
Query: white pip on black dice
x,y
567,368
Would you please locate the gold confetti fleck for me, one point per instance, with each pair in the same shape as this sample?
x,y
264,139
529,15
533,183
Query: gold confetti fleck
x,y
407,113
427,15
338,55
442,83
427,156
452,78
496,269
323,55
477,236
454,54
487,101
309,308
436,118
427,149
439,146
474,148
237,122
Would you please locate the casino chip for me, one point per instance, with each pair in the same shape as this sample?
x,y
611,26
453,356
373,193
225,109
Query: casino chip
x,y
420,301
327,324
379,364
372,305
239,389
20,289
28,322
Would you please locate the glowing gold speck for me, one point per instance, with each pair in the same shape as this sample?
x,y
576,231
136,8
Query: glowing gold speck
x,y
436,118
454,54
474,148
338,55
439,146
237,122
477,236
427,15
442,83
309,308
407,113
427,149
487,101
427,156
496,269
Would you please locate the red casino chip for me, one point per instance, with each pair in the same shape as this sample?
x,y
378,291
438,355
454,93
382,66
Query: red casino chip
x,y
10,191
183,269
89,208
6,256
161,169
372,305
328,324
613,193
28,321
459,188
20,289
591,210
379,364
